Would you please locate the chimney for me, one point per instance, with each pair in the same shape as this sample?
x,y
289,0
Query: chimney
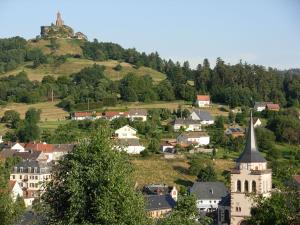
x,y
174,193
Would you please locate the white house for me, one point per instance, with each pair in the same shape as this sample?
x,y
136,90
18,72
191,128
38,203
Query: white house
x,y
18,147
204,117
138,114
85,115
187,125
126,132
261,106
208,195
203,101
196,138
256,122
130,146
1,140
15,189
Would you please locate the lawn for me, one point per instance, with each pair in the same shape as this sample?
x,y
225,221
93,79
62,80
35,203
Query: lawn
x,y
157,169
73,65
50,112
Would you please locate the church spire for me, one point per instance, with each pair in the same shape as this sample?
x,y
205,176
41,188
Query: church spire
x,y
251,153
59,21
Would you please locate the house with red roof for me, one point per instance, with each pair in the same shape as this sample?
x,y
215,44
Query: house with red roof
x,y
85,115
273,107
203,101
111,115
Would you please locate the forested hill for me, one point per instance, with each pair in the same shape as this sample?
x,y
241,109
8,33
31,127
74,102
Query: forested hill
x,y
128,75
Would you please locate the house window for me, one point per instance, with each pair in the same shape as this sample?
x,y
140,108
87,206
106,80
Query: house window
x,y
253,186
246,186
29,169
238,186
21,177
36,177
13,177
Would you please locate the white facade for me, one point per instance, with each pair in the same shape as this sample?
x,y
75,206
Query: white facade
x,y
16,191
203,103
207,205
18,148
166,147
187,127
134,150
126,132
198,140
260,108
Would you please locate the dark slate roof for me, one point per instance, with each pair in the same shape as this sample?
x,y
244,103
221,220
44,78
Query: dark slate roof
x,y
6,152
159,202
209,190
157,189
186,121
203,115
128,142
251,153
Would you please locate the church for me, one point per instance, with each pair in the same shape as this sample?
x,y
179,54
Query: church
x,y
60,30
250,177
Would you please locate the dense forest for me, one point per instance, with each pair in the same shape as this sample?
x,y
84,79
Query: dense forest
x,y
233,85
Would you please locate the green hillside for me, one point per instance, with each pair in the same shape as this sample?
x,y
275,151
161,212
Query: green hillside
x,y
73,65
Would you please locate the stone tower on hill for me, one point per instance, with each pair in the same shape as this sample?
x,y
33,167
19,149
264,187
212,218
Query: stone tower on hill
x,y
59,21
60,30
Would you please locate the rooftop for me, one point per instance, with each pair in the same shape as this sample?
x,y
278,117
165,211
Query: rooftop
x,y
138,112
209,190
159,202
203,115
203,98
186,121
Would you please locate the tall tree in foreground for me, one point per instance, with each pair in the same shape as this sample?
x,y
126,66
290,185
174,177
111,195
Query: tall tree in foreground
x,y
282,208
93,185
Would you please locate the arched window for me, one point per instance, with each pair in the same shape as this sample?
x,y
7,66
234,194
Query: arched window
x,y
246,186
253,186
238,186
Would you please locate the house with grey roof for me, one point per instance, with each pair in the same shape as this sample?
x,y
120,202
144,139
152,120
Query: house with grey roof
x,y
159,199
204,117
187,124
129,145
208,195
138,114
196,138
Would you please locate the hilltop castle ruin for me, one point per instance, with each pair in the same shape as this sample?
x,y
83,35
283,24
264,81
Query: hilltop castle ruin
x,y
60,30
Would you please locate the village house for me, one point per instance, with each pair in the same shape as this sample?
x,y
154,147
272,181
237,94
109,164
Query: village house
x,y
204,117
85,115
187,125
111,115
126,132
256,122
197,138
203,101
15,190
272,107
235,131
138,114
260,106
19,147
168,146
31,175
129,145
208,195
160,200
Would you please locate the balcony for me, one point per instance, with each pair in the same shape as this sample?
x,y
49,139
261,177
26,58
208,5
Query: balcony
x,y
260,172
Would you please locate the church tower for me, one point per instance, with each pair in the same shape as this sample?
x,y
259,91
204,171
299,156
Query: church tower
x,y
59,21
250,176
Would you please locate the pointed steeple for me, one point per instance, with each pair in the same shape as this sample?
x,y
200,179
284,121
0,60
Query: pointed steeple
x,y
251,153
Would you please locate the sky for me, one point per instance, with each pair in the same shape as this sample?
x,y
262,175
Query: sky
x,y
264,32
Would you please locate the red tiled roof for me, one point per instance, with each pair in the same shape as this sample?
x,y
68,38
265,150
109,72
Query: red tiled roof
x,y
110,114
85,114
203,98
272,106
46,148
11,184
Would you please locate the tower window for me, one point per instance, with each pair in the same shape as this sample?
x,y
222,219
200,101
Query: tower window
x,y
238,186
246,186
253,186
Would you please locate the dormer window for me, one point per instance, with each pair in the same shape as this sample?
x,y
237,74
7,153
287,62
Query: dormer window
x,y
21,169
29,169
35,169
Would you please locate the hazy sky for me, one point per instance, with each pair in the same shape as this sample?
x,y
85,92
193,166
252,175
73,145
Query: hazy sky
x,y
263,32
